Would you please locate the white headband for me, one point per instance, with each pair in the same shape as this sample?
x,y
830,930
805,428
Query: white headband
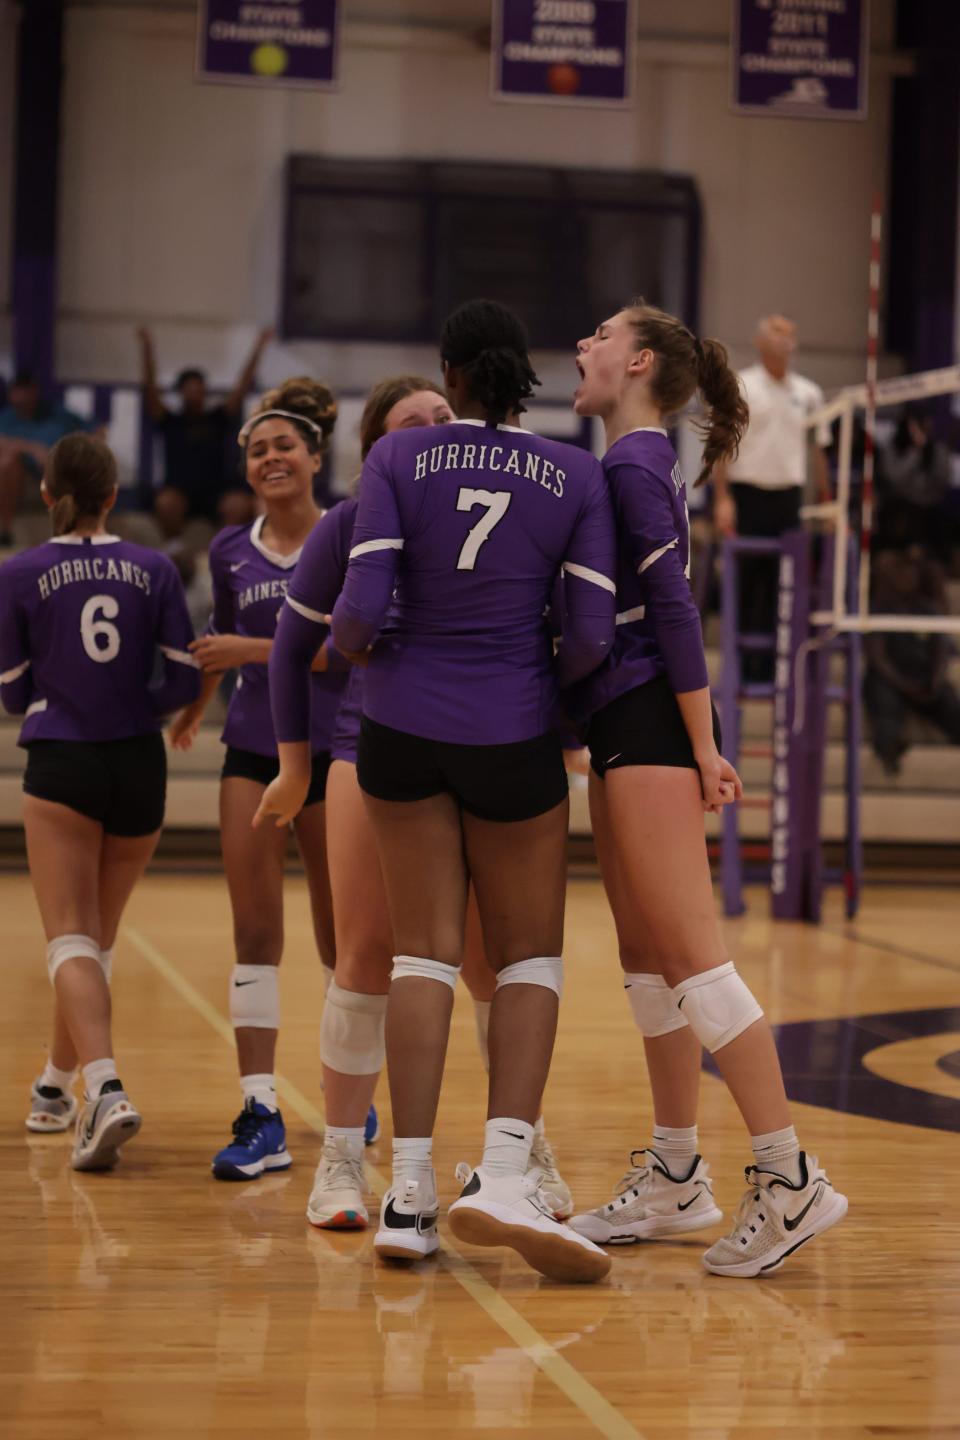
x,y
244,435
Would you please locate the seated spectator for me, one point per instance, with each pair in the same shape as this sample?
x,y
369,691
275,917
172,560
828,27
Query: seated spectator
x,y
29,426
908,670
198,479
913,477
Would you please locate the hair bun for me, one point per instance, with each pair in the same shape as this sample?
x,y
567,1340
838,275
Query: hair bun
x,y
302,395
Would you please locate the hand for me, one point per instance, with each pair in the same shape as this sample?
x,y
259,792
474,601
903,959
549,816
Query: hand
x,y
719,781
358,657
216,653
184,727
284,798
725,515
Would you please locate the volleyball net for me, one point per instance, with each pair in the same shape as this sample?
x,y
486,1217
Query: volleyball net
x,y
840,615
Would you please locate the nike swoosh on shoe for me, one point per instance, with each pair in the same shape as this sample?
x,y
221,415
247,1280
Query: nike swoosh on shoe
x,y
791,1223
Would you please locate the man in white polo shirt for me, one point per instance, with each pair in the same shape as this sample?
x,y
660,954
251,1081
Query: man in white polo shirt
x,y
760,493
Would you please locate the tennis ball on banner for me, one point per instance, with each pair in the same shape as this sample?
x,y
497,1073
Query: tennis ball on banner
x,y
269,60
563,79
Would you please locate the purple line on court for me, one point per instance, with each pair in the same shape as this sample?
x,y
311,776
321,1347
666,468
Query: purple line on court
x,y
823,1065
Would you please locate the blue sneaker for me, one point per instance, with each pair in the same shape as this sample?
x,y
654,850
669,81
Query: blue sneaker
x,y
259,1144
371,1131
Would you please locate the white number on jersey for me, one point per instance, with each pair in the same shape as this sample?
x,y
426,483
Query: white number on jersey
x,y
101,640
497,503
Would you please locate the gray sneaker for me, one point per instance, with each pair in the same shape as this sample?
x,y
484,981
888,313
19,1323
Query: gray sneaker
x,y
103,1125
51,1111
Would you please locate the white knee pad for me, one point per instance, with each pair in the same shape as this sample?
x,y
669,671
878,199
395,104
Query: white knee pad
x,y
718,1005
106,964
70,947
351,1031
406,965
545,970
255,997
654,1005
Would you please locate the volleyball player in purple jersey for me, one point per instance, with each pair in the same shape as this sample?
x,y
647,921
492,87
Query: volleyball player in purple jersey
x,y
654,743
82,621
471,524
251,566
352,1029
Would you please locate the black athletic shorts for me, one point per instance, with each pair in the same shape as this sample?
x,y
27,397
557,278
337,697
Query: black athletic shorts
x,y
122,784
493,782
643,727
248,765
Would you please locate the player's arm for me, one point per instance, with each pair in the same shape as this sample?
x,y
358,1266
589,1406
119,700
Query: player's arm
x,y
589,587
644,504
16,676
180,684
301,641
220,648
374,554
643,501
301,645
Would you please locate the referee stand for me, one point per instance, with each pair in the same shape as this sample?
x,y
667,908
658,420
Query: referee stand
x,y
799,696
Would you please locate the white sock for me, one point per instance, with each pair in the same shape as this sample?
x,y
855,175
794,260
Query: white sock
x,y
54,1079
260,1088
676,1147
351,1135
779,1150
481,1014
96,1075
413,1160
506,1147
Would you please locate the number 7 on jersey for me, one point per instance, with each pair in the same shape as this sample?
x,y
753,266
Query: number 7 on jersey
x,y
496,504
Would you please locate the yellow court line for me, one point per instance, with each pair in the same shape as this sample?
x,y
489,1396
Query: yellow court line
x,y
595,1407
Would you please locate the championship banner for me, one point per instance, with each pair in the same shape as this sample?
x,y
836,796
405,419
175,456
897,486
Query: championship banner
x,y
563,51
268,42
807,59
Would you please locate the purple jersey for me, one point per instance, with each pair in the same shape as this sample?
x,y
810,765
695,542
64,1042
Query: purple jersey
x,y
658,626
82,621
461,532
249,587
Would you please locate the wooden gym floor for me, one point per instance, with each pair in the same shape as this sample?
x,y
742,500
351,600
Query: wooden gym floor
x,y
155,1301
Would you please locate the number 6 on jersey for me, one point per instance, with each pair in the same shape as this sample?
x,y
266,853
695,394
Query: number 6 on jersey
x,y
497,503
93,630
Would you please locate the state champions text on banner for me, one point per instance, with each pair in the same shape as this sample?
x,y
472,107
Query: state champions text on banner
x,y
563,51
268,42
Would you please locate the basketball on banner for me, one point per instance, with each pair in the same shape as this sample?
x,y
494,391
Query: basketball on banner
x,y
563,50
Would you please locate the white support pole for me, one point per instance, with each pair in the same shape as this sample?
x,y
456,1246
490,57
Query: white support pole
x,y
889,624
870,411
843,512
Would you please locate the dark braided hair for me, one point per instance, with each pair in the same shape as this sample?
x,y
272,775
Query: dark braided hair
x,y
489,345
